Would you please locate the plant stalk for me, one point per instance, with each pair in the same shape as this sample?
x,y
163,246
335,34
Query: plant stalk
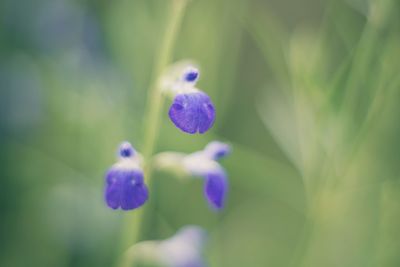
x,y
132,221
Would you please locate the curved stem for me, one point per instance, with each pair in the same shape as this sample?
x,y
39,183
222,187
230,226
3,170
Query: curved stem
x,y
131,227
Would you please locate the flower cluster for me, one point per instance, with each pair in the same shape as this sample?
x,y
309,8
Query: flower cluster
x,y
191,111
125,187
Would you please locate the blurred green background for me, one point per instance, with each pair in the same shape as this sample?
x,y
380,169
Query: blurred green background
x,y
306,92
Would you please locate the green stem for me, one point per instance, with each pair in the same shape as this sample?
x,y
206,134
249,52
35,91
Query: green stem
x,y
155,100
131,227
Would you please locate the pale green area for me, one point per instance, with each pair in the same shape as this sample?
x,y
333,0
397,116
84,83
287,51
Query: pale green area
x,y
306,92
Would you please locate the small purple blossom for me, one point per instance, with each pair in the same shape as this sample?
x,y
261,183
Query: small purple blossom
x,y
192,112
125,186
203,163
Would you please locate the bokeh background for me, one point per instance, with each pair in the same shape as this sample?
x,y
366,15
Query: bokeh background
x,y
306,93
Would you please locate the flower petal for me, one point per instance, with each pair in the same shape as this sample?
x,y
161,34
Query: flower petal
x,y
126,150
192,112
125,189
216,150
215,188
191,75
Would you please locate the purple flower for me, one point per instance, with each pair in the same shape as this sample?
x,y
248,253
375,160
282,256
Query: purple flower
x,y
204,164
125,186
192,112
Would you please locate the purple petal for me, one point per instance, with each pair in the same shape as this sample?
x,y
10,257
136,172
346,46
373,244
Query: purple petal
x,y
192,112
126,150
125,188
215,189
191,75
216,150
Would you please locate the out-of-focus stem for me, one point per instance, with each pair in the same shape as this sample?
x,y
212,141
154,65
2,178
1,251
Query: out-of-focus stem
x,y
130,231
155,100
